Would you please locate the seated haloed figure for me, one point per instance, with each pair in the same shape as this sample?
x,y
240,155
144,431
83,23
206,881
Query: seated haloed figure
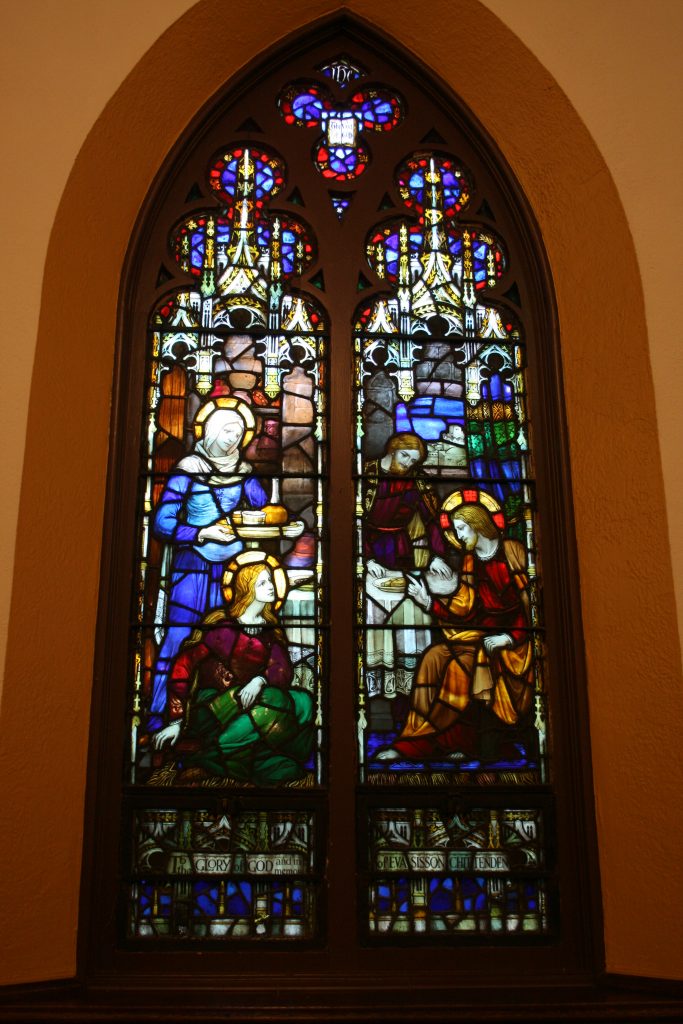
x,y
474,689
230,687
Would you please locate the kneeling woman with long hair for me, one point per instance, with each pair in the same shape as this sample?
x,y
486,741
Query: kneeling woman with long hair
x,y
230,689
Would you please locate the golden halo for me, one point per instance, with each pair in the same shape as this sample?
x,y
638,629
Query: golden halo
x,y
251,557
468,496
238,406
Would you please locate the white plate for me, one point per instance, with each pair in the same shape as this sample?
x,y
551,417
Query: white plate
x,y
262,531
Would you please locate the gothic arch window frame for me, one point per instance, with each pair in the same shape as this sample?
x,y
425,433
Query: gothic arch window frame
x,y
580,941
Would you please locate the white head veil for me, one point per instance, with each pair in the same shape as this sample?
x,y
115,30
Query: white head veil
x,y
223,462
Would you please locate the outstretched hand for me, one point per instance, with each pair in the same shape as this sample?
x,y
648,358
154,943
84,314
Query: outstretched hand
x,y
419,593
169,734
376,570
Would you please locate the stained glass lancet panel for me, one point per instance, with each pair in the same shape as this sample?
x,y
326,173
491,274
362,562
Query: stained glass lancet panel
x,y
449,621
231,616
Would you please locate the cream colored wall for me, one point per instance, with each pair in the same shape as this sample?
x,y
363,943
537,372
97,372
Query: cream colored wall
x,y
620,65
63,60
60,61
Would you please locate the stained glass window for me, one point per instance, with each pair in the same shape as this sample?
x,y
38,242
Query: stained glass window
x,y
337,286
231,614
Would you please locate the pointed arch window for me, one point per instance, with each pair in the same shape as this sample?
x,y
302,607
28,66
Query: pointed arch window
x,y
339,484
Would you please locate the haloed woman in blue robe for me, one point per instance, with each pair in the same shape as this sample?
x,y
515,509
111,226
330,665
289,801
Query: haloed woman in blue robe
x,y
193,518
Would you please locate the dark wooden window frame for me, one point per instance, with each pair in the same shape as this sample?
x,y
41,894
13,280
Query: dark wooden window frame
x,y
343,977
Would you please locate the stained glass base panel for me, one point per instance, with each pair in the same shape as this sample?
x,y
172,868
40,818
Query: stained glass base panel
x,y
430,905
201,874
476,871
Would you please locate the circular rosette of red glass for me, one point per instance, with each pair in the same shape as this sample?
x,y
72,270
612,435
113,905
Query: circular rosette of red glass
x,y
377,110
246,174
339,162
426,177
305,104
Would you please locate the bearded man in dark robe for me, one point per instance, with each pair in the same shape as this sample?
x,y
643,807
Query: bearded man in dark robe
x,y
401,510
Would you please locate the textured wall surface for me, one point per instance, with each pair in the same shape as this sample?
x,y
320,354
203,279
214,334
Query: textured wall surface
x,y
59,214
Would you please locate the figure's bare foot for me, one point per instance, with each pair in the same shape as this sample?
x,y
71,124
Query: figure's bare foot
x,y
388,755
457,755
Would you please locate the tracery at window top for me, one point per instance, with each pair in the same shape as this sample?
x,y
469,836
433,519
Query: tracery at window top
x,y
340,154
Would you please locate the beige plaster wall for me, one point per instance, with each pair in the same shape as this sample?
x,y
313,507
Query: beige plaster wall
x,y
63,60
620,66
60,62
